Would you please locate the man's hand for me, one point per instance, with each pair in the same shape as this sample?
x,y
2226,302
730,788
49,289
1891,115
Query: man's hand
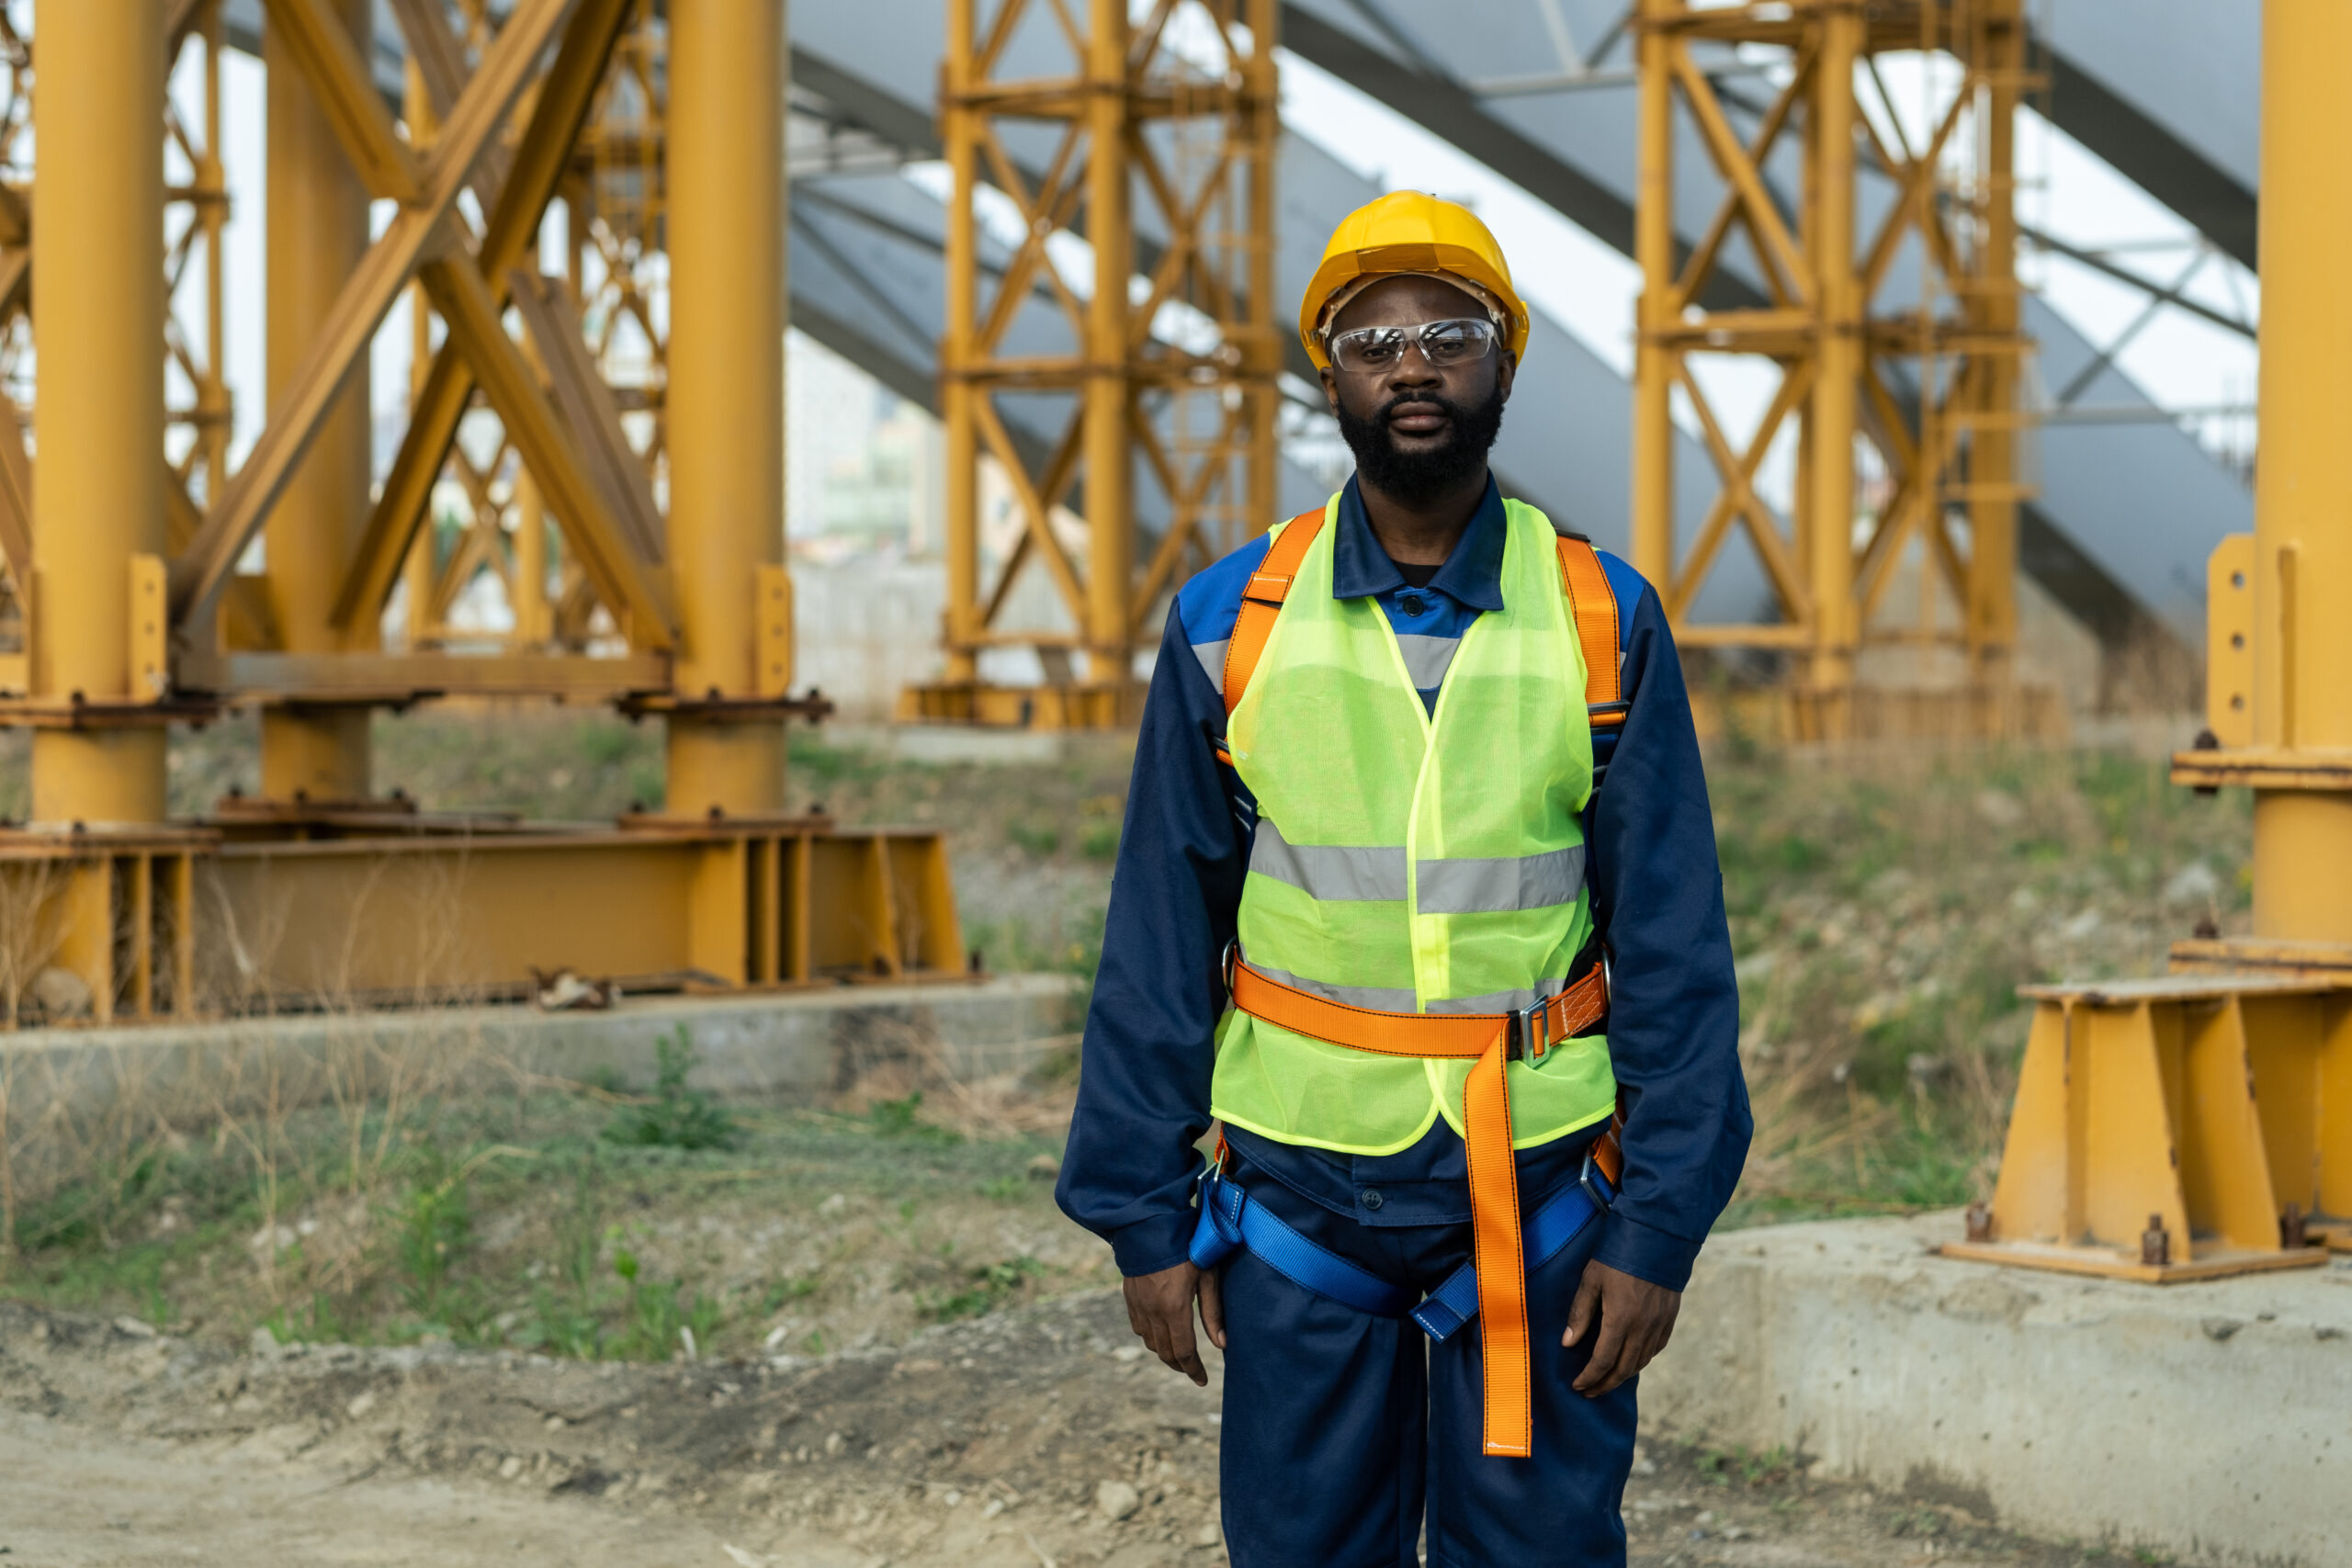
x,y
1159,1309
1632,1318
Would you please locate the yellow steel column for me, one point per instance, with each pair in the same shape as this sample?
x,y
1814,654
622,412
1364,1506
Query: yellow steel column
x,y
1992,477
958,128
318,233
1828,519
2302,515
99,252
1110,522
1262,351
1653,479
725,217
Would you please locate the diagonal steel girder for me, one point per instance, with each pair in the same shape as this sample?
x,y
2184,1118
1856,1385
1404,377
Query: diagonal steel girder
x,y
2169,92
2126,512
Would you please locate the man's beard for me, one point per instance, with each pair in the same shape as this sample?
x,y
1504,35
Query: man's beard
x,y
1417,476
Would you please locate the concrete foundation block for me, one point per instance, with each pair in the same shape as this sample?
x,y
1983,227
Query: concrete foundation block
x,y
2210,1422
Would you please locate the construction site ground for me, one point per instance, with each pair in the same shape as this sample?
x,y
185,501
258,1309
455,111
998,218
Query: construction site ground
x,y
1038,1436
618,1323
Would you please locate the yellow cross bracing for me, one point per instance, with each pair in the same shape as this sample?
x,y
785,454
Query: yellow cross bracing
x,y
607,306
1925,392
1178,110
644,557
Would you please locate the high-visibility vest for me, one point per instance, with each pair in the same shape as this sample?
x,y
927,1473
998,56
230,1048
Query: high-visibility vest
x,y
1410,861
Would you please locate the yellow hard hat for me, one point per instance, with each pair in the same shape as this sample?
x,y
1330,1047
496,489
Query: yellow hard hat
x,y
1409,231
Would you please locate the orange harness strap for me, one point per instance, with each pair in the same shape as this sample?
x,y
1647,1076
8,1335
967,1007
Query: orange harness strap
x,y
1488,1039
1594,607
1262,600
1592,603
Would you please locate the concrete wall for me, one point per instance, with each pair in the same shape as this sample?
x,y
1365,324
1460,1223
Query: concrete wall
x,y
797,1046
2210,1422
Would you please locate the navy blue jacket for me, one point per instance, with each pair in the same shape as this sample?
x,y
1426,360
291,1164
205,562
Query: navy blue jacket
x,y
1150,1048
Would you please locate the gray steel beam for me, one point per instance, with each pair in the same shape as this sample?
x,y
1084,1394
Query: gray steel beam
x,y
2169,93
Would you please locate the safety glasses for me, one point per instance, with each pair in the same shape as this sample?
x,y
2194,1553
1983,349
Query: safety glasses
x,y
1442,344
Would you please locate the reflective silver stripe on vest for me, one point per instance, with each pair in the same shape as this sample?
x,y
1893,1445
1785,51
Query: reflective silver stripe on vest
x,y
1513,882
1329,872
1500,1001
1427,657
1212,658
1380,997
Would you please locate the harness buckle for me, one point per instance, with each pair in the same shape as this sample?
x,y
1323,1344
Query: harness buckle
x,y
1527,1032
1228,960
1592,1188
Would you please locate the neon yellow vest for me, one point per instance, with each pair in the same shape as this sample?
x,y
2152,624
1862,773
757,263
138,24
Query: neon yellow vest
x,y
1413,862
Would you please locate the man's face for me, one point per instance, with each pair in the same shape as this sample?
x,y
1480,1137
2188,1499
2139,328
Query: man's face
x,y
1417,430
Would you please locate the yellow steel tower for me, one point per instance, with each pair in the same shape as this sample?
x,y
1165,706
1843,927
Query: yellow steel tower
x,y
2201,1124
1182,111
644,503
1923,387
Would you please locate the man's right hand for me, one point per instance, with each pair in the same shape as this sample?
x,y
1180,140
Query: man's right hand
x,y
1159,1309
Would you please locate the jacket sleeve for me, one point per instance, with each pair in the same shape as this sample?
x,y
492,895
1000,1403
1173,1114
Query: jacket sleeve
x,y
1674,1004
1143,1088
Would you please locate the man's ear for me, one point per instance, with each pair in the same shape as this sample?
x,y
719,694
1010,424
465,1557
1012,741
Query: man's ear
x,y
1330,388
1506,371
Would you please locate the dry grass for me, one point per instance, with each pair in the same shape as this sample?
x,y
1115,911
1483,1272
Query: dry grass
x,y
1885,903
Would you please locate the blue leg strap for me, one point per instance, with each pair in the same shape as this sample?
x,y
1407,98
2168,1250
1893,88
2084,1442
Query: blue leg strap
x,y
1549,1230
1229,1220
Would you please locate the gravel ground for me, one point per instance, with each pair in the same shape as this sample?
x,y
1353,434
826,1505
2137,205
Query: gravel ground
x,y
1037,1436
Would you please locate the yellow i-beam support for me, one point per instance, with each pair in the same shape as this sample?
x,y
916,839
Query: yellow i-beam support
x,y
959,128
726,218
1110,522
99,252
2202,1123
1827,541
98,510
318,233
1994,310
1654,313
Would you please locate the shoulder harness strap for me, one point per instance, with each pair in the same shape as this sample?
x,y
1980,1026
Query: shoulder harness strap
x,y
1262,600
1582,578
1594,605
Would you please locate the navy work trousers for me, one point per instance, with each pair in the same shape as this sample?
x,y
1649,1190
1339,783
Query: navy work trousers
x,y
1341,1428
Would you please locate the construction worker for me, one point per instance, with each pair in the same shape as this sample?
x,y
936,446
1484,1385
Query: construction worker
x,y
1463,1013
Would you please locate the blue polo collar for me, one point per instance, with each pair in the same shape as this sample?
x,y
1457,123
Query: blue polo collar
x,y
1472,575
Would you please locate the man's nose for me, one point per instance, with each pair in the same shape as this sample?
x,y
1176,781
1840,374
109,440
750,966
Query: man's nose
x,y
1412,370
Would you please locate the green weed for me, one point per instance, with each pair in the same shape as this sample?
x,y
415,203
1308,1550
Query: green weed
x,y
1038,839
990,1287
678,1117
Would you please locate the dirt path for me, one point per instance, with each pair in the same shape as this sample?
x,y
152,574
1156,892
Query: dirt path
x,y
1029,1438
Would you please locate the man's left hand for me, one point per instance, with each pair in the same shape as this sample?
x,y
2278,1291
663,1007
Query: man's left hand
x,y
1626,1320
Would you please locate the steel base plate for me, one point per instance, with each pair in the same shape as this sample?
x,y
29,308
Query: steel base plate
x,y
2115,1264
